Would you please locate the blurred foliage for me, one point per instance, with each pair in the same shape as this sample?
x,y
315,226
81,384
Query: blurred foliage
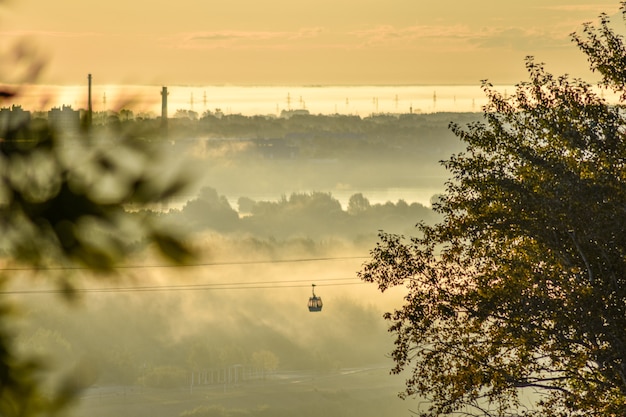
x,y
62,207
63,199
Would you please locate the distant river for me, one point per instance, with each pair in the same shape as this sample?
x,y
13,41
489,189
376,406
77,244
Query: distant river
x,y
260,100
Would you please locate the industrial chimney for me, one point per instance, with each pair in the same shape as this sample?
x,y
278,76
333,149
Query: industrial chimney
x,y
164,95
89,108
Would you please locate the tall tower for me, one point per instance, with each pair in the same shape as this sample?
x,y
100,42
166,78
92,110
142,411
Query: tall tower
x,y
164,95
89,108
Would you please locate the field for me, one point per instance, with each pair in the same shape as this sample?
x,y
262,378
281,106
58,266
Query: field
x,y
348,392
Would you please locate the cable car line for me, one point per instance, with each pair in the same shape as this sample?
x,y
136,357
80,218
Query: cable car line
x,y
202,264
191,287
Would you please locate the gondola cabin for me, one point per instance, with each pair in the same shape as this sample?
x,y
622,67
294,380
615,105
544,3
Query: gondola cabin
x,y
315,302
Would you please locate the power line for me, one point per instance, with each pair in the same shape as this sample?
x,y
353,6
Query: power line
x,y
194,265
196,287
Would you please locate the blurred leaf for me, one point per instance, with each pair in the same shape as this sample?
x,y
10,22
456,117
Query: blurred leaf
x,y
172,248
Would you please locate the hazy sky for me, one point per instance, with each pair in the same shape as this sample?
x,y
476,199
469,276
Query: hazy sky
x,y
286,42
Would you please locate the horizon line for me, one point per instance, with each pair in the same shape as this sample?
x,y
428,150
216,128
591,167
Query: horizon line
x,y
253,85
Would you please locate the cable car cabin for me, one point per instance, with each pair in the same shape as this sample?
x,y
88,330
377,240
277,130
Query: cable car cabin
x,y
315,302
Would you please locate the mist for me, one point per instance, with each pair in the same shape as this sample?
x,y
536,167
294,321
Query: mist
x,y
274,206
129,347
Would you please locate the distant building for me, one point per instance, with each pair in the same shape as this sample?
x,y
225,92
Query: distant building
x,y
286,114
13,118
64,119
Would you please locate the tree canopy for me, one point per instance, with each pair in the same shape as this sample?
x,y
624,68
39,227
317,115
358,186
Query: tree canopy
x,y
516,300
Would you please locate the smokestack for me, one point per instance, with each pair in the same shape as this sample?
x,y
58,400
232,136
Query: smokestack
x,y
164,95
89,108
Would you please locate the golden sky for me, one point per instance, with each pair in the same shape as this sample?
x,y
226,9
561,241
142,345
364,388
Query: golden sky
x,y
298,42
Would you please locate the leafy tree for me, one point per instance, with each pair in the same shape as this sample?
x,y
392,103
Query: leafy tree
x,y
358,204
209,210
516,301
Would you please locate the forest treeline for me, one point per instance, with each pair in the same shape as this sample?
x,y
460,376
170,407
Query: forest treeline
x,y
405,136
252,155
314,215
247,156
299,136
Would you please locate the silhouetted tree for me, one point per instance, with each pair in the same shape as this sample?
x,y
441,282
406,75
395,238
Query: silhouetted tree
x,y
209,210
358,204
522,286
